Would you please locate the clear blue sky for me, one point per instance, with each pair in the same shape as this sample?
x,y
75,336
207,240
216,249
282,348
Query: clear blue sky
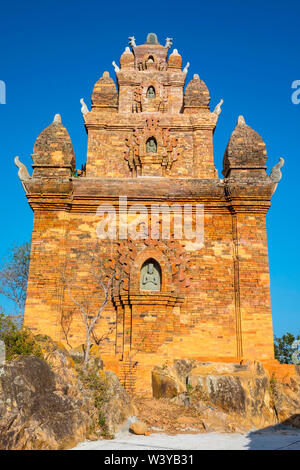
x,y
247,52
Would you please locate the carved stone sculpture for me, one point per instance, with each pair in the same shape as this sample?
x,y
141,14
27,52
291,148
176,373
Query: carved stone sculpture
x,y
276,174
151,92
169,42
84,108
150,277
151,146
22,173
218,109
132,41
116,67
185,70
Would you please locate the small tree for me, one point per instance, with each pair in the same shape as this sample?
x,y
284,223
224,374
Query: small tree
x,y
283,348
18,342
14,276
106,277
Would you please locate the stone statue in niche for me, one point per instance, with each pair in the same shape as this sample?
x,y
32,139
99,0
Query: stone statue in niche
x,y
151,145
151,92
150,277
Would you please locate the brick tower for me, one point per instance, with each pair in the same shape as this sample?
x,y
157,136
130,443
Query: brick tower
x,y
150,143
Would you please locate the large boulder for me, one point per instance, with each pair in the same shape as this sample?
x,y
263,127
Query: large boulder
x,y
41,409
166,383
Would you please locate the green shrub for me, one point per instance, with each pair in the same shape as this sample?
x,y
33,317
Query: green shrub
x,y
92,380
18,342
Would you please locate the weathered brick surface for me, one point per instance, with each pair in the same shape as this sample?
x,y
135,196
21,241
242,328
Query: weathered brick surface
x,y
214,302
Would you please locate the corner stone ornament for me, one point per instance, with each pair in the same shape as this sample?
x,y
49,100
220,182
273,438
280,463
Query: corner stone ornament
x,y
296,353
22,173
116,67
84,108
132,41
169,42
276,174
218,108
185,70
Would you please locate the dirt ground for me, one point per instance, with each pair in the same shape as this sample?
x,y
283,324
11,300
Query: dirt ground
x,y
163,416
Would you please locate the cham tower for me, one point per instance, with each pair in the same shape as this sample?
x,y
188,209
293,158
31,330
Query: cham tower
x,y
150,144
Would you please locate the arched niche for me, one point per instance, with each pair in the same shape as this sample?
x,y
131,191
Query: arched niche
x,y
150,277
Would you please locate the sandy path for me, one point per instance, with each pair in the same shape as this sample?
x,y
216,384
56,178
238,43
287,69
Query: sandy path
x,y
287,439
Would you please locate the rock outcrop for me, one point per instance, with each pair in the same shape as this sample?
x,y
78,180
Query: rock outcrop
x,y
237,396
45,404
40,408
117,406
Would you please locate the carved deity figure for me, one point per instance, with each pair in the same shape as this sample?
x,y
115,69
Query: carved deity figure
x,y
151,92
151,146
150,277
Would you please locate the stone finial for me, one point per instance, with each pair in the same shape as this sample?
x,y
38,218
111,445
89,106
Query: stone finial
x,y
116,67
241,121
169,42
105,92
53,149
276,174
152,39
175,60
196,93
132,41
84,108
245,154
57,119
127,59
186,68
218,109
